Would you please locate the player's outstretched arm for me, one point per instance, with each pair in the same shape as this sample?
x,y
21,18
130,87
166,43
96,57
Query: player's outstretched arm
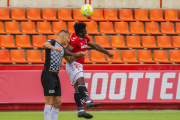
x,y
69,59
100,49
67,52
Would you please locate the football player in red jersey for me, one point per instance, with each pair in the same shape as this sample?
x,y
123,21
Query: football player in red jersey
x,y
74,67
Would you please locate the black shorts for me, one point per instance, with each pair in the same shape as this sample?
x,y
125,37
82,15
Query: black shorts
x,y
51,83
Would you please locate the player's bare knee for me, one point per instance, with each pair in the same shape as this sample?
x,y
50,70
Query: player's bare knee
x,y
57,104
80,81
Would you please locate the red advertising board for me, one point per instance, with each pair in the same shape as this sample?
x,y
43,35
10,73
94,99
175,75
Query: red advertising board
x,y
104,86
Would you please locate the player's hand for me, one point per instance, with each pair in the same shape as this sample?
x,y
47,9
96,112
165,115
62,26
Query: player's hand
x,y
58,49
111,55
80,54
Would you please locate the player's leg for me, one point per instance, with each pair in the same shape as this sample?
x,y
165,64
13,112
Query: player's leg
x,y
57,102
75,71
48,86
55,108
80,82
47,107
78,99
79,102
84,93
56,99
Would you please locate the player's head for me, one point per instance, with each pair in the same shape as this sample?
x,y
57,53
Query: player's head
x,y
64,36
80,29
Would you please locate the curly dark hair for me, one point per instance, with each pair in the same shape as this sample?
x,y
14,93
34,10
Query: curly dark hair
x,y
78,26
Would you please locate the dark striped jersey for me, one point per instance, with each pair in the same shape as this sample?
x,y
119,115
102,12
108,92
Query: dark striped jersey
x,y
53,58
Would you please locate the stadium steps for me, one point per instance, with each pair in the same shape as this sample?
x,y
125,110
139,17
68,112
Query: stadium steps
x,y
135,36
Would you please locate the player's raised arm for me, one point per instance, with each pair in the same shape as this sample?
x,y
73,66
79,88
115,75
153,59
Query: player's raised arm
x,y
67,52
100,49
70,59
49,45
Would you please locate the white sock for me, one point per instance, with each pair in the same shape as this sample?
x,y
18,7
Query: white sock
x,y
54,113
47,112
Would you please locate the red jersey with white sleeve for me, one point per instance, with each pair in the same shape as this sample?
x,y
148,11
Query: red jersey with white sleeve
x,y
79,44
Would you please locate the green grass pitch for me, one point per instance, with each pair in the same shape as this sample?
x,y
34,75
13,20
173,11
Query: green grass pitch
x,y
97,115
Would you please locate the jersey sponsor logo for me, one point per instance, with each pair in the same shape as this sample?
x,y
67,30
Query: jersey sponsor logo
x,y
51,91
83,46
73,38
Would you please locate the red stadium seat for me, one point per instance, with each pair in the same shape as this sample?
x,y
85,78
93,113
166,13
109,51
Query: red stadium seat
x,y
117,42
167,28
33,14
156,15
4,56
106,28
58,26
34,56
12,28
49,14
141,15
145,56
137,28
121,28
18,56
92,28
148,42
160,56
38,40
164,42
98,15
7,41
126,15
65,14
18,14
116,58
97,57
176,41
152,28
174,56
23,41
103,41
28,28
171,15
4,14
44,28
129,56
111,14
133,42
